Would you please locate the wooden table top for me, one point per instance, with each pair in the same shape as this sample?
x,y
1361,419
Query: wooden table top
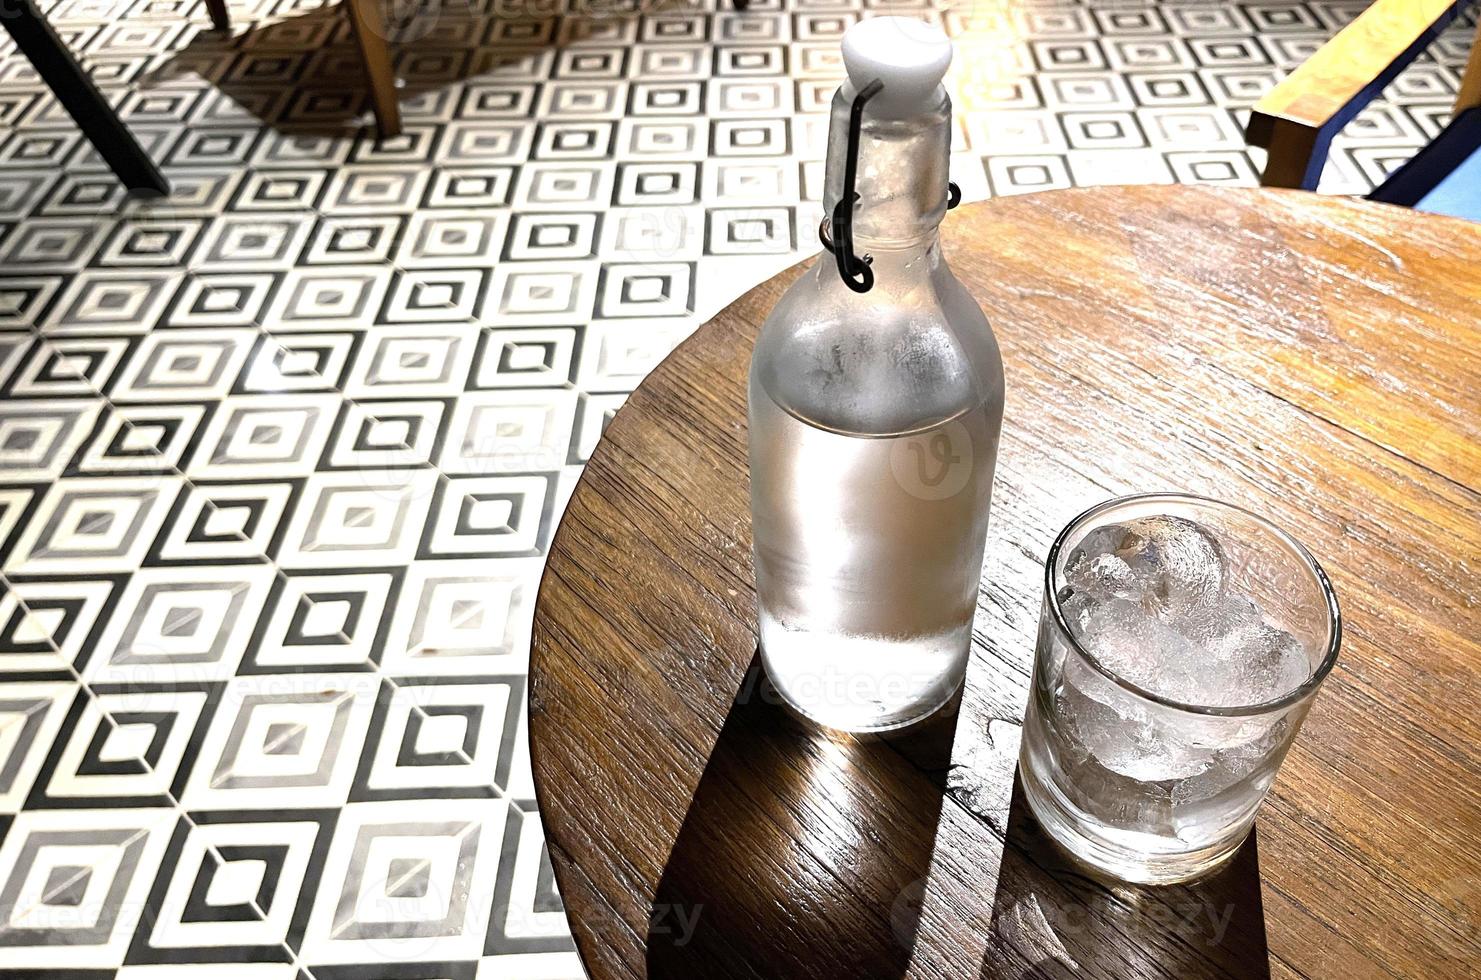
x,y
1317,360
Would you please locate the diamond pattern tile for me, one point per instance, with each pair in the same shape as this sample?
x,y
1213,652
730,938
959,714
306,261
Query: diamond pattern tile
x,y
280,455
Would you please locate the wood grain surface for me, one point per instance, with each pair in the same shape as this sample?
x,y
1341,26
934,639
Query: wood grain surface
x,y
1317,360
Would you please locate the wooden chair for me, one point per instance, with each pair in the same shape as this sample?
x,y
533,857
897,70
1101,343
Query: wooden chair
x,y
370,34
1298,118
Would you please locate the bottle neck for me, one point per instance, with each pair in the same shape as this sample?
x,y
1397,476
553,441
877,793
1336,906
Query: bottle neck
x,y
902,171
927,244
900,265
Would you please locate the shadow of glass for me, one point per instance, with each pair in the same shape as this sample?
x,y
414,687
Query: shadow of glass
x,y
1062,919
816,877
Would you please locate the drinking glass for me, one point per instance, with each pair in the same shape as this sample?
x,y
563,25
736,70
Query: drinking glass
x,y
1141,786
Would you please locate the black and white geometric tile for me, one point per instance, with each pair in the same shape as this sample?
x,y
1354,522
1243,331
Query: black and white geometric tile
x,y
123,746
234,888
280,455
74,883
282,742
324,622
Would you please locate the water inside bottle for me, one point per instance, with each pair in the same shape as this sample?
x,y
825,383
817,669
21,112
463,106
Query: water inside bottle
x,y
868,553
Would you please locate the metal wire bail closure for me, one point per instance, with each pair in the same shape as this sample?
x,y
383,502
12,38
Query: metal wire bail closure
x,y
855,270
852,269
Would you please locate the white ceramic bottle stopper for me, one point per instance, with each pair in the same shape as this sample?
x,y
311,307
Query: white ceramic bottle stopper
x,y
908,55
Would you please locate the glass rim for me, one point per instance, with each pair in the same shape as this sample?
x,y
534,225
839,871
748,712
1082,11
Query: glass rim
x,y
1334,614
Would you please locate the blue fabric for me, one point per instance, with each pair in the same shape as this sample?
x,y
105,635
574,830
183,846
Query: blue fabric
x,y
1459,194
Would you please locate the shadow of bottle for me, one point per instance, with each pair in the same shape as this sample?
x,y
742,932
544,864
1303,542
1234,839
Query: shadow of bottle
x,y
814,878
1066,921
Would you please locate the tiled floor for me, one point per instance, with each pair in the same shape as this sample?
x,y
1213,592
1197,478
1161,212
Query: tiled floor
x,y
279,455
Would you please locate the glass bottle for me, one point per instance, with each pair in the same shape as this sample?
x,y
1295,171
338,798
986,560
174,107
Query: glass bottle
x,y
874,420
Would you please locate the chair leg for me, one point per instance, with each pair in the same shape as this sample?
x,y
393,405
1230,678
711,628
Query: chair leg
x,y
370,33
220,19
1297,155
74,89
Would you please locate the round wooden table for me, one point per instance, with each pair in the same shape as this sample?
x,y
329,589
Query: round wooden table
x,y
1317,360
